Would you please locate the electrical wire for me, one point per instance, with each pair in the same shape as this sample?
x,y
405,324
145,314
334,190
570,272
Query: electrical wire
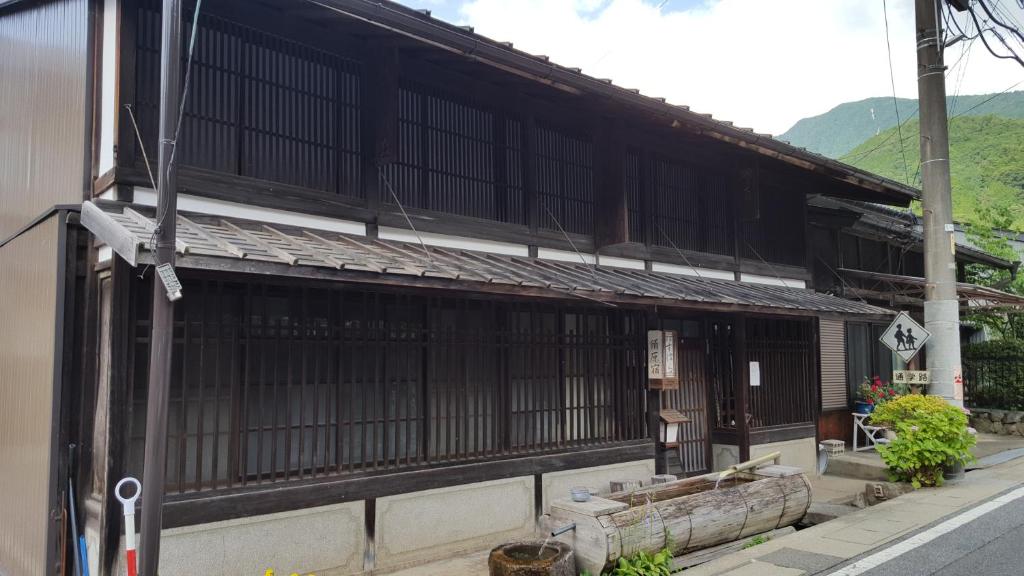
x,y
981,31
895,102
990,98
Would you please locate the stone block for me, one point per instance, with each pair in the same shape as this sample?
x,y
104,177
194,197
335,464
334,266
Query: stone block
x,y
326,540
877,492
802,453
724,455
983,425
996,415
420,527
557,485
1013,417
997,427
1011,428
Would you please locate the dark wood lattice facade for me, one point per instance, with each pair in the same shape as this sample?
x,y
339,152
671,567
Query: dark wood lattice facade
x,y
276,109
276,382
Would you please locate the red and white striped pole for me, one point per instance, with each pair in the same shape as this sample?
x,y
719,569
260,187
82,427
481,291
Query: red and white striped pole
x,y
128,505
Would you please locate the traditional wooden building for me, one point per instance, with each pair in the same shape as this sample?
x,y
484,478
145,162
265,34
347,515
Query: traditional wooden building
x,y
419,268
874,254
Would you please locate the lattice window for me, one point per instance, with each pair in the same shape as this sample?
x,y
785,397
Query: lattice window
x,y
274,383
455,157
565,180
258,105
693,208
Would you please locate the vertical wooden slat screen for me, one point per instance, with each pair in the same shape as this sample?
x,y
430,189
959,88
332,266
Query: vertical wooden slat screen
x,y
777,234
565,180
786,394
455,156
692,207
273,383
259,105
833,364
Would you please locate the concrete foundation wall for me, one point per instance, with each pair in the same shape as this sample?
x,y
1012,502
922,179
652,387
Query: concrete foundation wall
x,y
802,452
557,485
327,541
724,455
423,526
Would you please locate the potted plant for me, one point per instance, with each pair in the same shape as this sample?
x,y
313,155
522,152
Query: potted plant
x,y
871,393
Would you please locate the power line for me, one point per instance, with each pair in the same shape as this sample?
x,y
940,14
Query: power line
x,y
895,103
990,98
981,32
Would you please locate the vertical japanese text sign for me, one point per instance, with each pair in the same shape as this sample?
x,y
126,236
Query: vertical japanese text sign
x,y
662,359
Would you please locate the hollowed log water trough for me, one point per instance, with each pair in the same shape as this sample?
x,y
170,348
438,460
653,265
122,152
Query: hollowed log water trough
x,y
684,516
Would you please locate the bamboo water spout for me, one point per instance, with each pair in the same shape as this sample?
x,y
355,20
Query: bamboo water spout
x,y
742,466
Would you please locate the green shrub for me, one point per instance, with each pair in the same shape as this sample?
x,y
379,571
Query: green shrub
x,y
994,349
644,564
930,434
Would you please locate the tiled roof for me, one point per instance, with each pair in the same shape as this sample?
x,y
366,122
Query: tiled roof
x,y
216,243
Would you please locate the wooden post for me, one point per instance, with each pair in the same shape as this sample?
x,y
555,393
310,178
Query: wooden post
x,y
611,214
654,408
379,118
742,382
162,335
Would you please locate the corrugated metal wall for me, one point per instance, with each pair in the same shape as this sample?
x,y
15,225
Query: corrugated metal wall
x,y
43,49
28,305
833,364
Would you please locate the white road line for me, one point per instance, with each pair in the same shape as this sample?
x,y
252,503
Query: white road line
x,y
864,564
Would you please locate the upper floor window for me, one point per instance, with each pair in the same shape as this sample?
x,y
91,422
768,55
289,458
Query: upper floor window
x,y
259,105
565,180
692,207
455,157
775,231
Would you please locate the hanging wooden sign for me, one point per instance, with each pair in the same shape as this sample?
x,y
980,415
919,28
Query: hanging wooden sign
x,y
662,360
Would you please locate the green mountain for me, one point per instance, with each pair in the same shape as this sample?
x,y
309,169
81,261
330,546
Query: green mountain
x,y
844,127
986,165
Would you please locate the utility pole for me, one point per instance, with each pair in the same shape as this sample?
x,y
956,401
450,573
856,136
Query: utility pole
x,y
162,335
941,307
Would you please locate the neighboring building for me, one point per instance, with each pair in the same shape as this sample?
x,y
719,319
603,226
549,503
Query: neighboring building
x,y
350,394
874,254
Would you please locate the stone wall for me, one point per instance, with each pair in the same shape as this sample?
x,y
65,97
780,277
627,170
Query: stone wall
x,y
802,453
990,421
558,485
419,527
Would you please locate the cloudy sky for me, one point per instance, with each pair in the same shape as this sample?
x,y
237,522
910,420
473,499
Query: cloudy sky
x,y
758,63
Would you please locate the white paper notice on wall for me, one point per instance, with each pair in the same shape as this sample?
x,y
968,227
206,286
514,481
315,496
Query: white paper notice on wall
x,y
755,373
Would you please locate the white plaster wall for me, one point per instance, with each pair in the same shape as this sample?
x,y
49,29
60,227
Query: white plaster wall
x,y
772,280
327,541
724,455
430,525
557,485
802,452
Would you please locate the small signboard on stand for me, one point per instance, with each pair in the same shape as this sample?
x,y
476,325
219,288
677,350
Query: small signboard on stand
x,y
662,360
905,336
911,377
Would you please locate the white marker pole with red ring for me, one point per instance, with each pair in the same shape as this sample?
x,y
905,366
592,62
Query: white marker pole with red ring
x,y
128,504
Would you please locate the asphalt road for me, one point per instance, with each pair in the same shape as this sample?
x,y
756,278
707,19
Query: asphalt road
x,y
991,545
